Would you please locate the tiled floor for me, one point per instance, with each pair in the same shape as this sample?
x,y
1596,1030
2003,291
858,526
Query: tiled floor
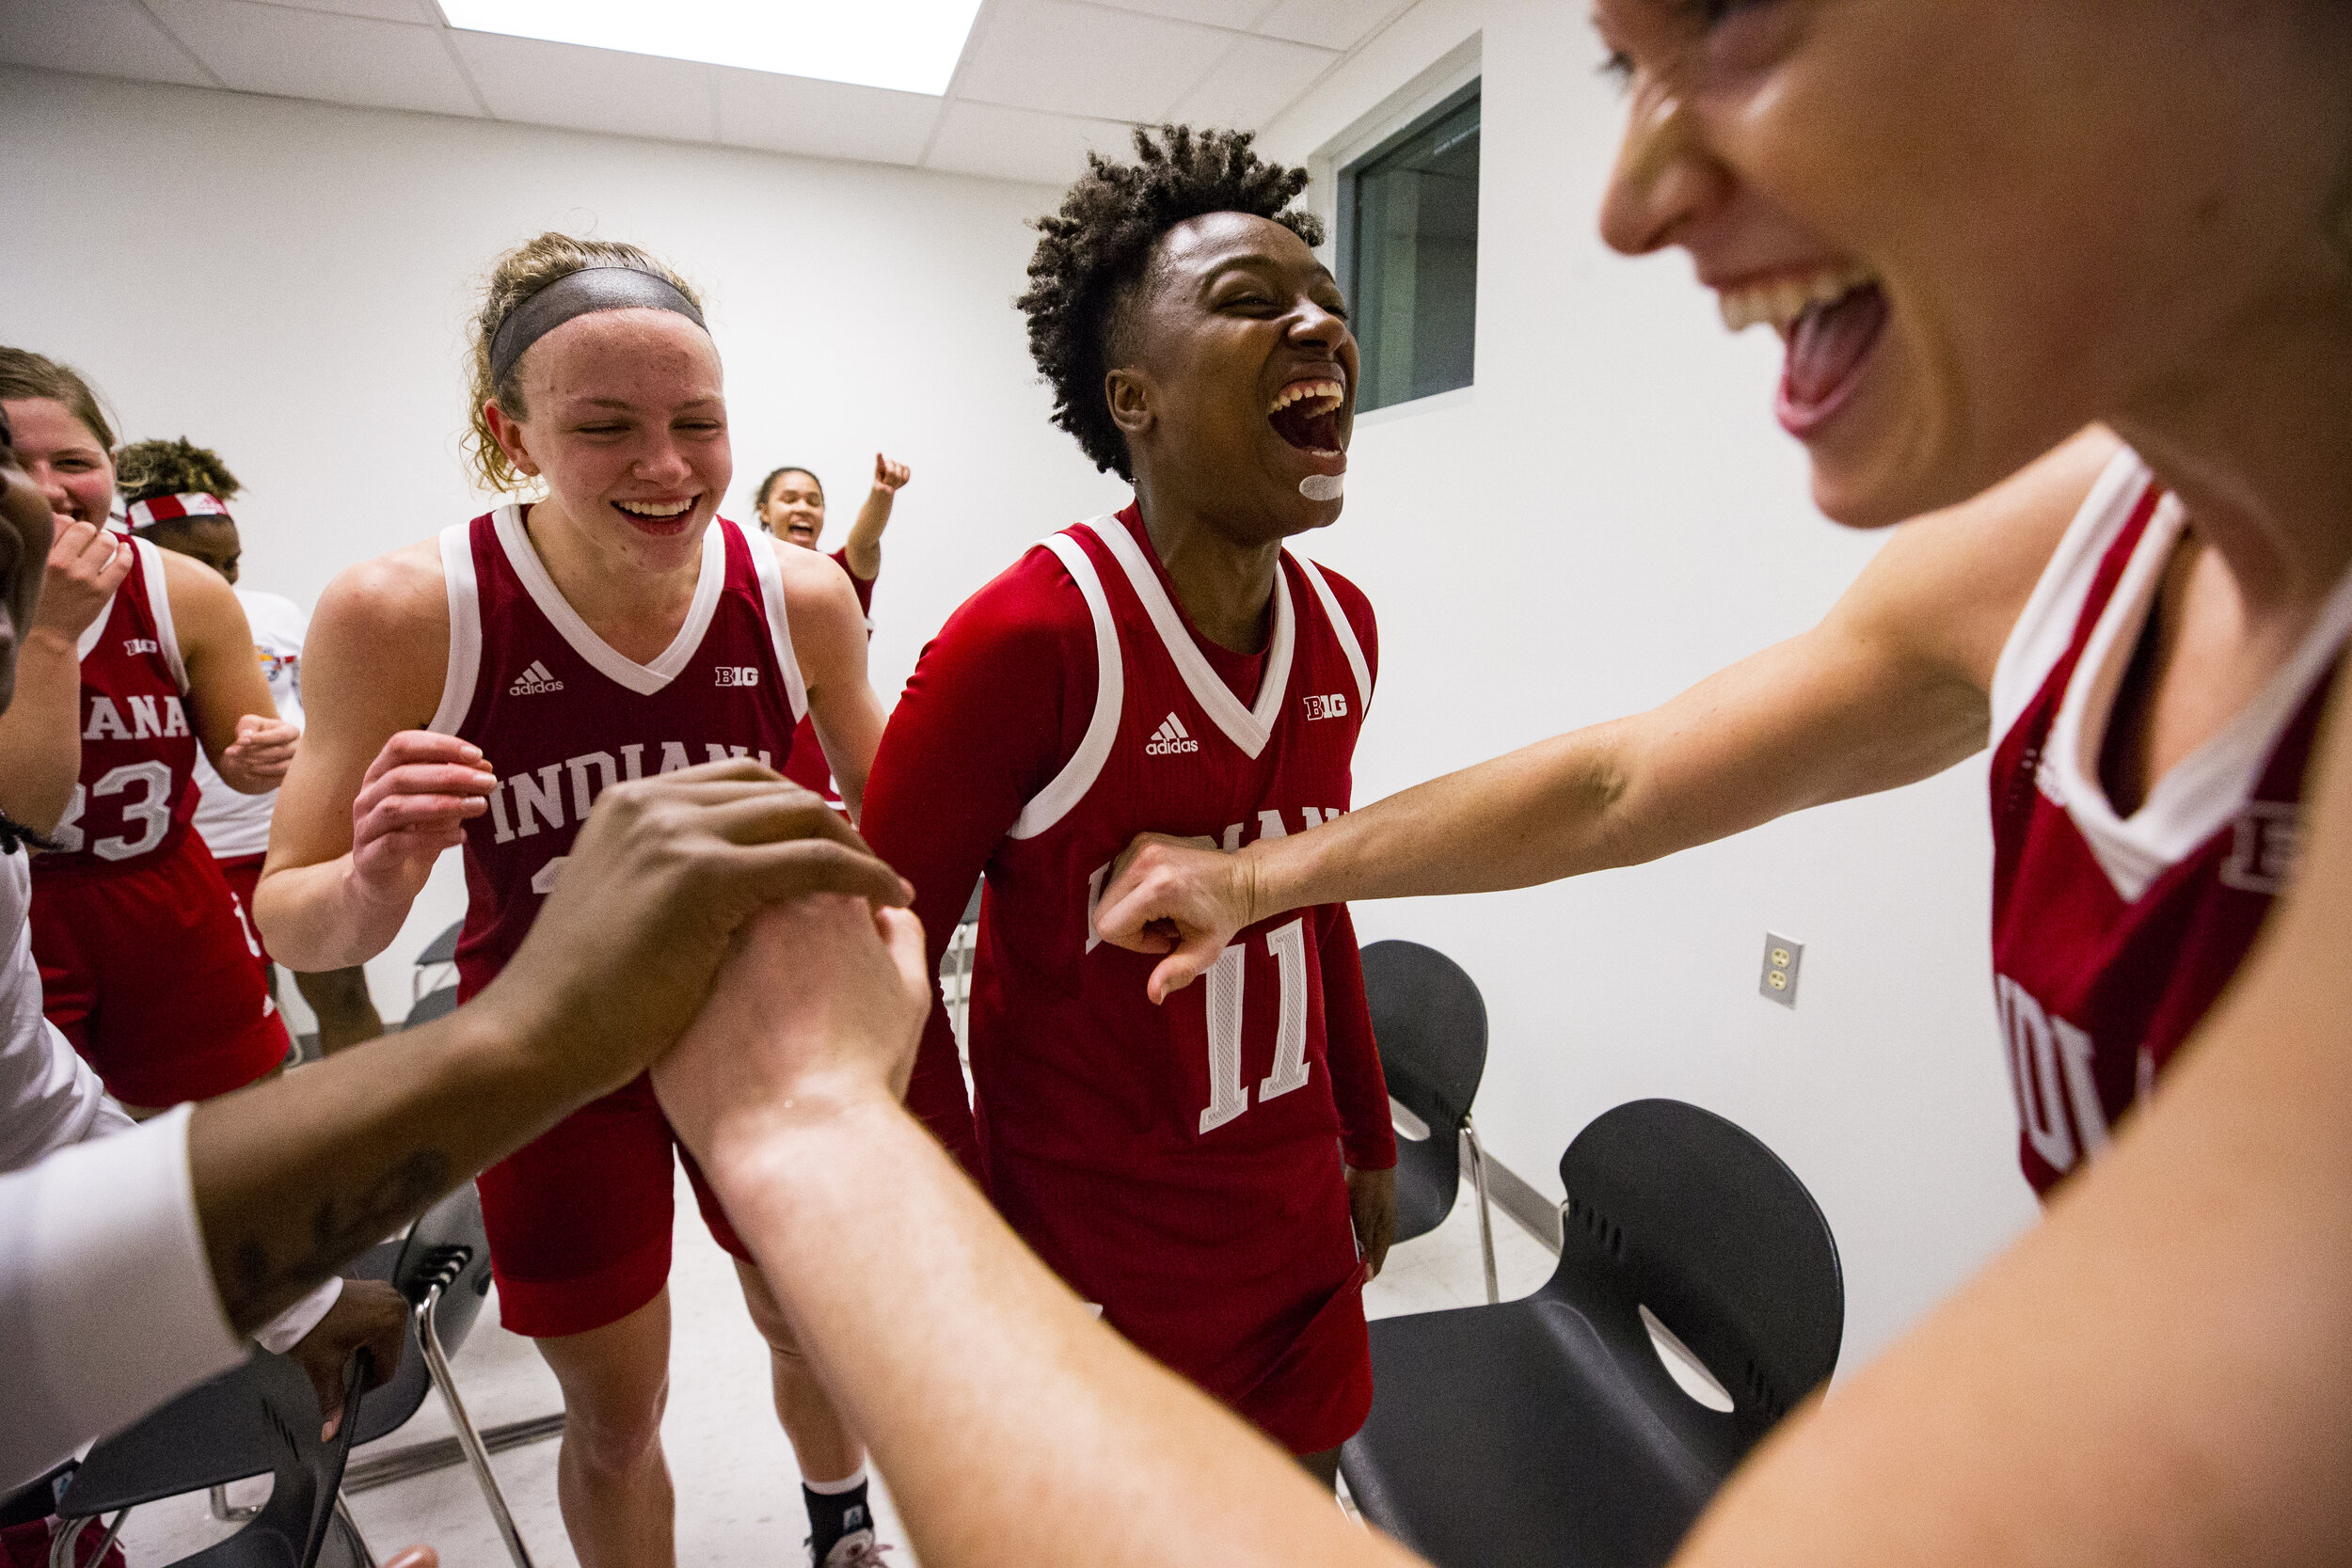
x,y
738,1502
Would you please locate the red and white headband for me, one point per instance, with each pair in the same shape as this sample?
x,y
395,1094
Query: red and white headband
x,y
164,509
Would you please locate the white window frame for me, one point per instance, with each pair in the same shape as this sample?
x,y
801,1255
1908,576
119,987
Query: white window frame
x,y
1461,67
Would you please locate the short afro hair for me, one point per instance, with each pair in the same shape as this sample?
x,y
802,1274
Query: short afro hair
x,y
148,469
1096,249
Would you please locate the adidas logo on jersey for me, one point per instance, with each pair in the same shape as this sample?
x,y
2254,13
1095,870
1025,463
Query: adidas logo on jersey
x,y
1170,738
738,675
533,681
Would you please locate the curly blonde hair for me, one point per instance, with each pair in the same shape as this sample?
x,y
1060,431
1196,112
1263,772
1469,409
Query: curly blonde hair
x,y
516,276
146,469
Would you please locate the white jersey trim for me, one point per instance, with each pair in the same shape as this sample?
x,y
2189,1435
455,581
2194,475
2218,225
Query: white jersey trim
x,y
87,641
465,629
151,564
2206,790
770,572
2045,627
1343,628
643,679
1078,774
1248,728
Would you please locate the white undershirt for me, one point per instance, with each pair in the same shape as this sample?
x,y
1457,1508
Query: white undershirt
x,y
233,825
107,1306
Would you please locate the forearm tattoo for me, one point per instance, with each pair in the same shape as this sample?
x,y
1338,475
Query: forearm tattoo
x,y
271,1269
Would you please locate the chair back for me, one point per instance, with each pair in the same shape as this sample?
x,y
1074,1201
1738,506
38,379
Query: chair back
x,y
443,948
295,1525
1673,1207
1431,1025
432,1005
447,1246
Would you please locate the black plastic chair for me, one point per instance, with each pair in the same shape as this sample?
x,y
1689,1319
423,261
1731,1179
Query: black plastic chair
x,y
1548,1432
443,1269
1431,1026
440,953
261,1419
437,1004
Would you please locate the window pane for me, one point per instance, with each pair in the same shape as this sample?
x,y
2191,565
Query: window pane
x,y
1415,259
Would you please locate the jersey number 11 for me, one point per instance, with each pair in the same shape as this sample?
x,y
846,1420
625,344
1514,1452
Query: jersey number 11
x,y
1227,1097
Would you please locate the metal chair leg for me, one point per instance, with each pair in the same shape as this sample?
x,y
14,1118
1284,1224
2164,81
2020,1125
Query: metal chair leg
x,y
228,1513
438,1364
70,1532
351,1531
1486,1211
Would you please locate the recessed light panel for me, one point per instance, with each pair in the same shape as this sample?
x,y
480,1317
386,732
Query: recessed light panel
x,y
909,45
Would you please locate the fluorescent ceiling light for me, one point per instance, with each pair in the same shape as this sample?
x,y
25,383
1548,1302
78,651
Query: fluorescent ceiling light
x,y
910,45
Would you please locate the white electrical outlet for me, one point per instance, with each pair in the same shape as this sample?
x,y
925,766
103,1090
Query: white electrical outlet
x,y
1782,959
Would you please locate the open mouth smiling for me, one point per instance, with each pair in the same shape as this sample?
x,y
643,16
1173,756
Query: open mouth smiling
x,y
658,517
1830,319
1306,415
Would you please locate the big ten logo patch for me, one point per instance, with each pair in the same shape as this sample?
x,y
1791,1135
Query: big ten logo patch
x,y
1333,706
738,675
2261,855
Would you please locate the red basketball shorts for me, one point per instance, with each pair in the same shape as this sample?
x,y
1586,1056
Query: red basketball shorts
x,y
244,875
1243,1279
579,1218
154,974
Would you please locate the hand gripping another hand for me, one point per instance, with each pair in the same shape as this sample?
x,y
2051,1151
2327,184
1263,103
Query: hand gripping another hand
x,y
663,873
819,1007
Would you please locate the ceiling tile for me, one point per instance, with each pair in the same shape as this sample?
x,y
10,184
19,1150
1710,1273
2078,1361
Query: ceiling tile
x,y
1022,144
104,38
1331,23
540,83
823,119
307,54
1257,79
1088,60
1215,13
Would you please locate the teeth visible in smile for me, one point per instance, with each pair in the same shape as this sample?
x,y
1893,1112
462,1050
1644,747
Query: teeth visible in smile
x,y
653,510
1780,301
1325,395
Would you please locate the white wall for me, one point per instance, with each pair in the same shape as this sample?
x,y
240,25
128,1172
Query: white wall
x,y
1607,515
288,282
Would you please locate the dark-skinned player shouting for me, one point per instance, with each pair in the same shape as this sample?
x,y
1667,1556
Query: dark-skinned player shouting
x,y
1217,1175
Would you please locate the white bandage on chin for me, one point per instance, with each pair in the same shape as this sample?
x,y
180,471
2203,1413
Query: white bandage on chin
x,y
1323,488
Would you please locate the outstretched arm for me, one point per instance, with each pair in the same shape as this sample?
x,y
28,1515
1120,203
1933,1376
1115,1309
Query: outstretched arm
x,y
1015,1431
863,548
829,642
1889,688
2157,1377
41,731
663,874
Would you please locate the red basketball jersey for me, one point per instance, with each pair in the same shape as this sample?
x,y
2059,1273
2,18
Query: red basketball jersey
x,y
808,768
137,791
2113,935
1071,1061
562,716
1180,1166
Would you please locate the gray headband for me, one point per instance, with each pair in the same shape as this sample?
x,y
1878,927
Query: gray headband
x,y
577,293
